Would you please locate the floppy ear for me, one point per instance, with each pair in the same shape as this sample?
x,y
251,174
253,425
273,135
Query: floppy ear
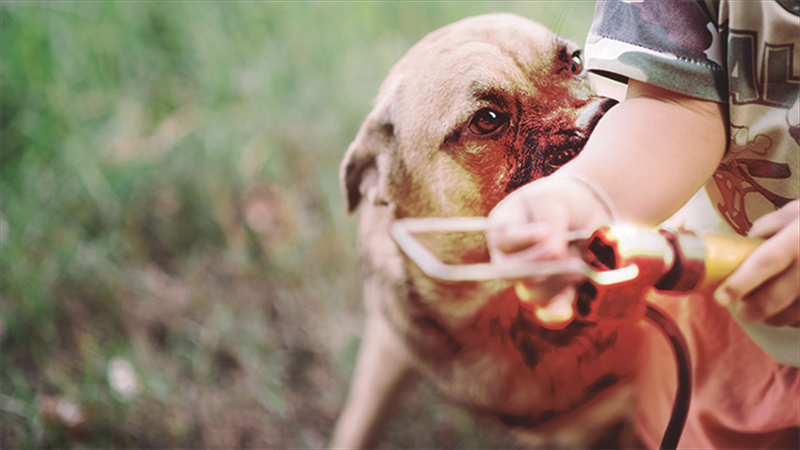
x,y
364,170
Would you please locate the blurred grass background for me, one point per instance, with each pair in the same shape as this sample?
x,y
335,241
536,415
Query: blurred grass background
x,y
178,270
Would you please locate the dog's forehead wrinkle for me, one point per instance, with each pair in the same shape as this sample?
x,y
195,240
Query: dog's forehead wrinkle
x,y
453,77
490,93
545,58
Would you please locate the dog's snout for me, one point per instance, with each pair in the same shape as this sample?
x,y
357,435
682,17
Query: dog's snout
x,y
606,103
592,112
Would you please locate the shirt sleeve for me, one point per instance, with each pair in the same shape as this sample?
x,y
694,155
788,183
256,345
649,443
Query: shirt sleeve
x,y
670,44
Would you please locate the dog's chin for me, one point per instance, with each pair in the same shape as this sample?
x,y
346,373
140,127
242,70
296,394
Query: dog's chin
x,y
548,157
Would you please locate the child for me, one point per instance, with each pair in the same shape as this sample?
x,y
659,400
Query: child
x,y
712,100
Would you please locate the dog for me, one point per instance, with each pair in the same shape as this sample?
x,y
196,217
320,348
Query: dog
x,y
473,111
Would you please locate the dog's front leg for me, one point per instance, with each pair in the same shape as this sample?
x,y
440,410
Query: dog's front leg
x,y
382,371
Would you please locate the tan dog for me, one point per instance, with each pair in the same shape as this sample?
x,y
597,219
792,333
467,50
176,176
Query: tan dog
x,y
473,111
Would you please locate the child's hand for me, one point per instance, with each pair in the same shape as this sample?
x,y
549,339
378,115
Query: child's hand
x,y
767,284
531,225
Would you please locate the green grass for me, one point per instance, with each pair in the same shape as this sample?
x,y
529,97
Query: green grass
x,y
170,197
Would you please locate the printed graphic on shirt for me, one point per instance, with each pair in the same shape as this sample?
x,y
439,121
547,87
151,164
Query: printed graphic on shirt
x,y
736,179
776,86
759,174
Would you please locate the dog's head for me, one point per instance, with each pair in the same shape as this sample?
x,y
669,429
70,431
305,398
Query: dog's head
x,y
473,111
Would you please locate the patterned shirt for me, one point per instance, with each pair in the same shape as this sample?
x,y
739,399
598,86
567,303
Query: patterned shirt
x,y
720,51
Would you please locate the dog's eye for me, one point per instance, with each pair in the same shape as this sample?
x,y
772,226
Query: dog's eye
x,y
487,121
576,63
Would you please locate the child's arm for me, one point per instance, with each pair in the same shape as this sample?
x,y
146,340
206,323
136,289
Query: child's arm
x,y
649,155
654,151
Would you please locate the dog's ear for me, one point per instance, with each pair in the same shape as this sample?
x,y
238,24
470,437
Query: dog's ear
x,y
359,173
364,170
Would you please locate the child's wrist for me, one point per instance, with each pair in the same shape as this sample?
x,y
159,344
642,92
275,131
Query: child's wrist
x,y
591,207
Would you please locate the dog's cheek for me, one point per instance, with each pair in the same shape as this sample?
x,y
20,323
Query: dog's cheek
x,y
481,164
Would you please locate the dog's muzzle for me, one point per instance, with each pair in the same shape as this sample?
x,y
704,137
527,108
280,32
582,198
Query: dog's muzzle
x,y
592,113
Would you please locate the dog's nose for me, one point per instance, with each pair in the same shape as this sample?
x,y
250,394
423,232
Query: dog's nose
x,y
592,112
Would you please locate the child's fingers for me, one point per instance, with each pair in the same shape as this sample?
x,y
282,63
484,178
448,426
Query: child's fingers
x,y
789,317
767,261
541,288
773,299
771,223
515,237
509,234
559,311
767,284
509,230
554,310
